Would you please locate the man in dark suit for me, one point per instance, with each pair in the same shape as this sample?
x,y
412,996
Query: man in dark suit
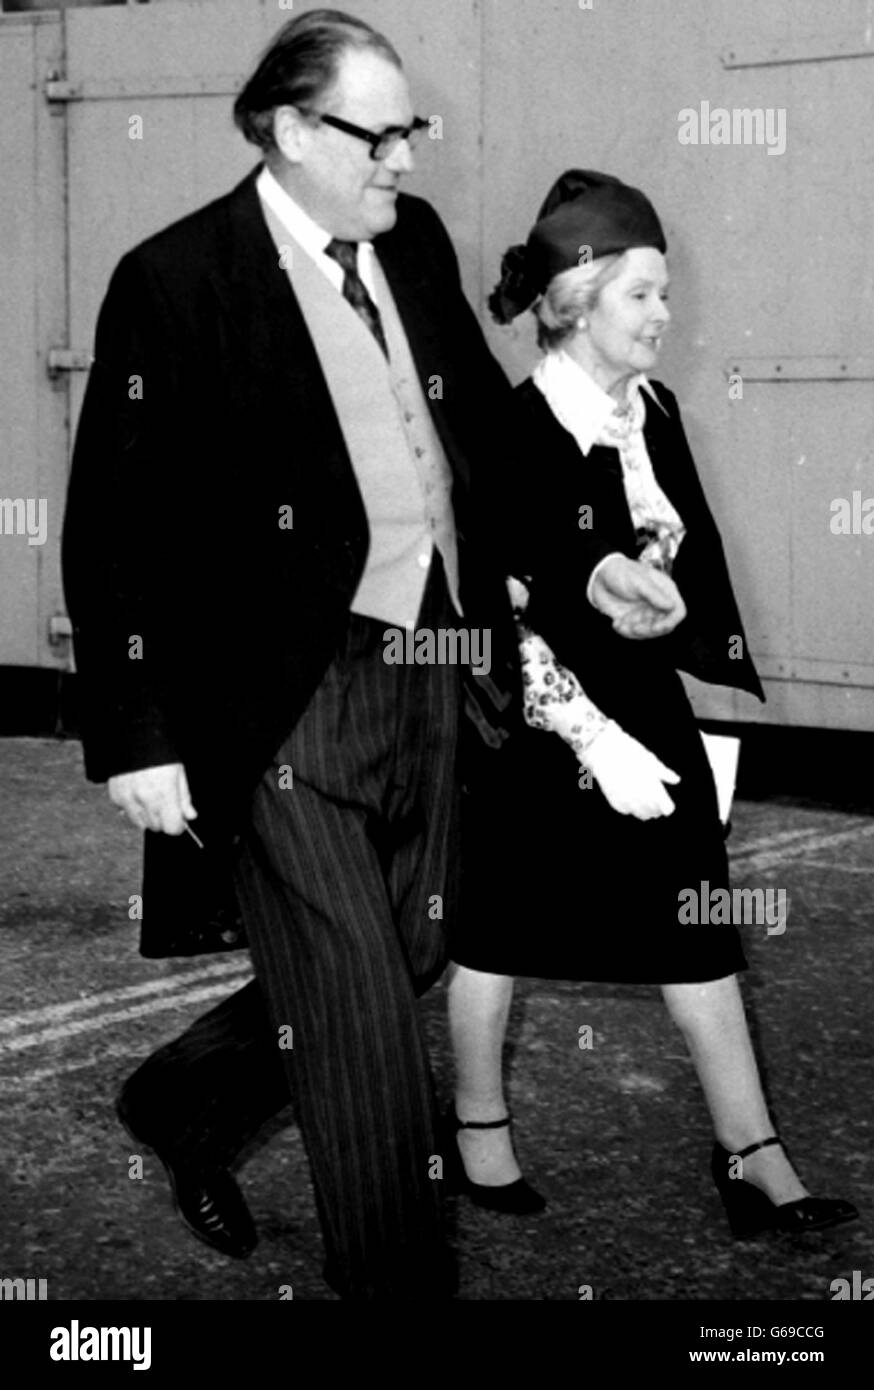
x,y
293,439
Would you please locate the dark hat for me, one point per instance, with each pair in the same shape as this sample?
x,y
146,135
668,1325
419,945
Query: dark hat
x,y
585,215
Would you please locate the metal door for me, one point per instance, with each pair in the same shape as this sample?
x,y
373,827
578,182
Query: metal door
x,y
138,101
33,421
149,92
770,256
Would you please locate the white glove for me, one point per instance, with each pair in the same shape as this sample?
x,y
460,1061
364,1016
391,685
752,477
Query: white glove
x,y
518,592
628,774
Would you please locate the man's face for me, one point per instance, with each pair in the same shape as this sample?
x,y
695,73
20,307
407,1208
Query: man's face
x,y
335,180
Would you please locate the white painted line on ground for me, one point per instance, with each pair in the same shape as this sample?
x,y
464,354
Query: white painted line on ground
x,y
53,1013
862,830
27,1081
829,866
101,1021
780,837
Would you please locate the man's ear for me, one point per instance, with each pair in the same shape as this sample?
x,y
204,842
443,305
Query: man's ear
x,y
290,131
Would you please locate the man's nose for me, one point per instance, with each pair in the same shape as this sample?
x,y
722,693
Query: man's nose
x,y
401,160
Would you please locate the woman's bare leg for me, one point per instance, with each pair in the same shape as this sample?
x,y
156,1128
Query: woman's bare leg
x,y
479,1007
712,1019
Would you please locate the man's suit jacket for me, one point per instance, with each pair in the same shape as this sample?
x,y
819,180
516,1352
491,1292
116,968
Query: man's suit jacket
x,y
201,627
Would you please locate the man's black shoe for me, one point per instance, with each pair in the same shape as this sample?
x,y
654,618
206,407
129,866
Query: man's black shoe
x,y
207,1199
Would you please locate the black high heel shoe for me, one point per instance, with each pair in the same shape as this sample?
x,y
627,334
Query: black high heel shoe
x,y
750,1211
512,1198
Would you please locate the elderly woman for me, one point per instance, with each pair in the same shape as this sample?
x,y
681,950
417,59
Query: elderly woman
x,y
605,809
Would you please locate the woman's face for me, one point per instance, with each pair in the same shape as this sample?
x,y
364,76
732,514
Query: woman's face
x,y
622,334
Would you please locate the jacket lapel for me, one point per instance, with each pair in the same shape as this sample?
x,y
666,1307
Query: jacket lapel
x,y
276,349
667,469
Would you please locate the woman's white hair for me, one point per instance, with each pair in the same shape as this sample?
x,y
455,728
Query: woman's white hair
x,y
570,295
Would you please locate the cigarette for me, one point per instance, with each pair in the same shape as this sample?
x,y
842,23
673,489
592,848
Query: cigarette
x,y
190,832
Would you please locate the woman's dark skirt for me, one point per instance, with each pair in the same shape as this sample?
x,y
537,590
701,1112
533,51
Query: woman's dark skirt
x,y
558,885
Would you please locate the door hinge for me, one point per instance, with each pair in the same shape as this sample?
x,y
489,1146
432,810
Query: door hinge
x,y
61,359
60,630
57,88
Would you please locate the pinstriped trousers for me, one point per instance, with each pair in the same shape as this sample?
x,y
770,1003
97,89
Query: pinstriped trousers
x,y
343,882
337,881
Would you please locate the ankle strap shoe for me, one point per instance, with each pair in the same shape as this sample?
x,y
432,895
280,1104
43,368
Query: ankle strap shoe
x,y
751,1211
513,1198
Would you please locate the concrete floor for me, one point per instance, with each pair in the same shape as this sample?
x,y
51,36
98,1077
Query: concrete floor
x,y
616,1137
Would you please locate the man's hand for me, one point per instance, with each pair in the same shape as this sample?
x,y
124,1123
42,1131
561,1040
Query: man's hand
x,y
643,602
155,798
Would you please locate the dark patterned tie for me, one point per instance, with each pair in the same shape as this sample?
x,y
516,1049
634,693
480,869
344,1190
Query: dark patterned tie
x,y
345,253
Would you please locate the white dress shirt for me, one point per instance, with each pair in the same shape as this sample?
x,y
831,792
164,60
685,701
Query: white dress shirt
x,y
313,238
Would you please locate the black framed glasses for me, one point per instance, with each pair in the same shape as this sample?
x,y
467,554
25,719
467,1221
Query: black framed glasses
x,y
382,143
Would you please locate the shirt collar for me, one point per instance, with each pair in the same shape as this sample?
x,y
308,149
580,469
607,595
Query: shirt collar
x,y
644,384
305,230
577,400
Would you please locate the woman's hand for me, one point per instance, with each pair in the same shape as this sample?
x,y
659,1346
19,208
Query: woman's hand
x,y
630,777
642,622
642,601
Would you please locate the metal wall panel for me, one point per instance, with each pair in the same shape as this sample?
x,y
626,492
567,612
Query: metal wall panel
x,y
32,270
123,189
80,192
770,255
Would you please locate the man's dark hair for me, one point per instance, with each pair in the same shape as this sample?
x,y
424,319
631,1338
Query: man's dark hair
x,y
300,65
